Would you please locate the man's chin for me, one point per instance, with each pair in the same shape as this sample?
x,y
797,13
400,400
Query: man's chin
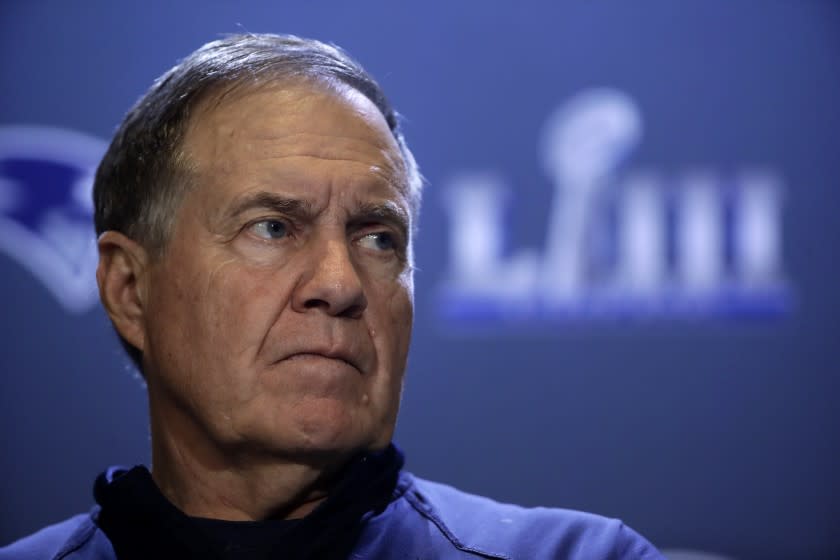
x,y
323,443
315,429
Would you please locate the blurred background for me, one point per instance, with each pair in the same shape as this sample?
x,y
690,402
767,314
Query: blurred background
x,y
627,299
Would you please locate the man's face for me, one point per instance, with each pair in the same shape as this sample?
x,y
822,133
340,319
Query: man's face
x,y
279,317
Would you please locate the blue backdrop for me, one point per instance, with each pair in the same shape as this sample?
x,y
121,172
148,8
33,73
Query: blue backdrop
x,y
627,299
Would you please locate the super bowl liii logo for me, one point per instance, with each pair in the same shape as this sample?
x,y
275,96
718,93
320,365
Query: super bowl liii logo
x,y
620,242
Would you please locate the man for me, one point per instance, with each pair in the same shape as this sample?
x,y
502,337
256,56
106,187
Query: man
x,y
255,214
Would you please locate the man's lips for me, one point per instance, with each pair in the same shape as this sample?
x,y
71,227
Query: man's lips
x,y
340,356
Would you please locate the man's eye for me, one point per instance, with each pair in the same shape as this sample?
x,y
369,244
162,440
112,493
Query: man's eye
x,y
270,229
378,241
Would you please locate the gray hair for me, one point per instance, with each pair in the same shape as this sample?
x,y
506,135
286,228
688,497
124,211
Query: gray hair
x,y
142,177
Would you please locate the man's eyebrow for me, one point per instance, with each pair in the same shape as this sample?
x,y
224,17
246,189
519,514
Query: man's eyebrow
x,y
269,201
388,212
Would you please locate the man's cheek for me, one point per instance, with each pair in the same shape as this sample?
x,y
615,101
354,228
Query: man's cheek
x,y
400,310
248,304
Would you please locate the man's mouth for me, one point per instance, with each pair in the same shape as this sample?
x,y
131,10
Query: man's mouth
x,y
337,356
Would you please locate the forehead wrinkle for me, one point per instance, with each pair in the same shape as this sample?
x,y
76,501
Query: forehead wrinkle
x,y
273,134
396,180
331,145
383,159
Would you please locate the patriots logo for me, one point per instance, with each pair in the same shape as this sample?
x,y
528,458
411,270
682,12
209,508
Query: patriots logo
x,y
46,210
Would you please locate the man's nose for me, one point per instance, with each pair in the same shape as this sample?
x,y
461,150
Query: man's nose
x,y
331,282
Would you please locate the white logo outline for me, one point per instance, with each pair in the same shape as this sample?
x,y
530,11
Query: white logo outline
x,y
62,252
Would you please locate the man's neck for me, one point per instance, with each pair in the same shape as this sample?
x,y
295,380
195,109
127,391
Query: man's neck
x,y
205,481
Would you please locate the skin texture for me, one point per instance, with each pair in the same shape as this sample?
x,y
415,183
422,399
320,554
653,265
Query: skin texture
x,y
275,326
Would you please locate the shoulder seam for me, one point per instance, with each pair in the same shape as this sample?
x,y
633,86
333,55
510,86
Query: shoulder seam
x,y
412,496
644,549
78,539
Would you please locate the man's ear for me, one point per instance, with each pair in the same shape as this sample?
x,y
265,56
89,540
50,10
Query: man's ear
x,y
122,276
